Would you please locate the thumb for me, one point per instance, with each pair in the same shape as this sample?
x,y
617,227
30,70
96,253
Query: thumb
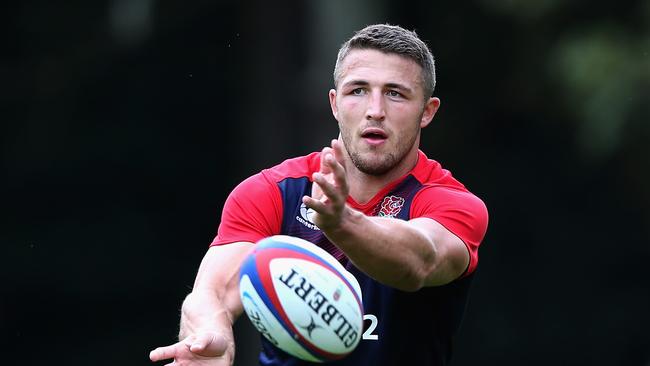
x,y
209,344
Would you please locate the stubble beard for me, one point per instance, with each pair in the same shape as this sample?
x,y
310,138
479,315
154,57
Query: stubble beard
x,y
385,163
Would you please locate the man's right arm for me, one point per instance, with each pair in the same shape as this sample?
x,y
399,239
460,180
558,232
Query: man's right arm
x,y
210,310
252,211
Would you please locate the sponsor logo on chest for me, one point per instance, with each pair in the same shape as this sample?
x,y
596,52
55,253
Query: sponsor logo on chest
x,y
305,217
390,207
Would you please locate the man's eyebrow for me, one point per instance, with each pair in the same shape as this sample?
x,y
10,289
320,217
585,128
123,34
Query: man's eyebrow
x,y
361,82
357,82
400,87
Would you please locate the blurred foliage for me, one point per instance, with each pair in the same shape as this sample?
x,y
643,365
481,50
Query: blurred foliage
x,y
604,74
523,11
125,125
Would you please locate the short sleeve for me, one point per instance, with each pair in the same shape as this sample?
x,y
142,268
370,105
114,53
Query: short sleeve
x,y
459,211
252,211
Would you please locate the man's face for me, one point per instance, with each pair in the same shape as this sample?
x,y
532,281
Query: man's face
x,y
380,107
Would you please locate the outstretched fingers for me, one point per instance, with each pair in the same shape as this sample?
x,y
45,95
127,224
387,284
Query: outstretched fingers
x,y
333,192
338,173
314,204
201,345
165,353
337,147
324,168
330,188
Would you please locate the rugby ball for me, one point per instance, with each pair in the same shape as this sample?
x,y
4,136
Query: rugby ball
x,y
301,299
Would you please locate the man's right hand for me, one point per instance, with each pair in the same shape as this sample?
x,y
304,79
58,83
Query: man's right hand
x,y
209,311
203,348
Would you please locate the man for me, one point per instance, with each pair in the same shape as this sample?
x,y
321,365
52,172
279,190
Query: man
x,y
400,223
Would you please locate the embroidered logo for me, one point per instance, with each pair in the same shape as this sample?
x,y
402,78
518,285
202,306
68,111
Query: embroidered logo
x,y
391,206
305,217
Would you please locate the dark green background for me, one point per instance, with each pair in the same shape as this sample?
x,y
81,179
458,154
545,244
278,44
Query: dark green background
x,y
125,124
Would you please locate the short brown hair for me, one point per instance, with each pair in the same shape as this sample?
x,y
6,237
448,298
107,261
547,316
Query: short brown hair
x,y
392,39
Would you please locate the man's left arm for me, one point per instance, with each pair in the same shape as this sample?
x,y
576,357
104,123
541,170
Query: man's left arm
x,y
407,255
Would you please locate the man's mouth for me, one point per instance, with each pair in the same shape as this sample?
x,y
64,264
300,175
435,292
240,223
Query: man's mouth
x,y
374,135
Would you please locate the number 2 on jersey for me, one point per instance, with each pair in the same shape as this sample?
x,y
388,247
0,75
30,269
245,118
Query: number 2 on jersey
x,y
373,324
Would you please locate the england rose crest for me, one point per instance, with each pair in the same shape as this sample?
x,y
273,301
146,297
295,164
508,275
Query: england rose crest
x,y
391,206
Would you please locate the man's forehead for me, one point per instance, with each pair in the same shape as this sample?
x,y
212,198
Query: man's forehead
x,y
375,63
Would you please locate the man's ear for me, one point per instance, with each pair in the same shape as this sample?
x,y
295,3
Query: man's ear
x,y
430,109
335,110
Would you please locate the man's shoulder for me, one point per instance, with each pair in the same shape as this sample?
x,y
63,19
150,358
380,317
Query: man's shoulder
x,y
296,167
429,172
439,186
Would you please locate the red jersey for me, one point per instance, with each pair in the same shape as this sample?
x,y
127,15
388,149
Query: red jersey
x,y
254,210
270,203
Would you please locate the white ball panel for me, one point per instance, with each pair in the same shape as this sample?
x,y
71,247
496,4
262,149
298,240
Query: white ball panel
x,y
311,247
318,303
266,323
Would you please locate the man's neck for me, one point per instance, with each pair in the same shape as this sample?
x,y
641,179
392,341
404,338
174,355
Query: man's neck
x,y
363,187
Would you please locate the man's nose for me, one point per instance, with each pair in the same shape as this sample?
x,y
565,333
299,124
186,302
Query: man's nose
x,y
376,108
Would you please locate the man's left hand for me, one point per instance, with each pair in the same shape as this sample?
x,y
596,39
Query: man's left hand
x,y
330,189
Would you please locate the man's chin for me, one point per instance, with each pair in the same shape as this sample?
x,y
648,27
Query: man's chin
x,y
375,164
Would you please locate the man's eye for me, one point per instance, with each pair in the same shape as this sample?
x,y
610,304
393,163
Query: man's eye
x,y
357,91
393,93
